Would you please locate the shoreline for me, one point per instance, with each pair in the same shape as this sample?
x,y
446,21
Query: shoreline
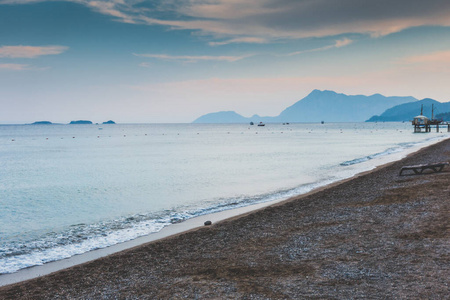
x,y
377,235
192,224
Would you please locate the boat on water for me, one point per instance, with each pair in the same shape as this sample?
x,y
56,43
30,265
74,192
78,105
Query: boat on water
x,y
261,124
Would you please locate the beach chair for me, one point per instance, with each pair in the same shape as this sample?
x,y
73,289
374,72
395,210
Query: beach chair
x,y
418,169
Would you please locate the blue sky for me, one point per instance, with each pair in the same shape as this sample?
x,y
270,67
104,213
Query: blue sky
x,y
172,61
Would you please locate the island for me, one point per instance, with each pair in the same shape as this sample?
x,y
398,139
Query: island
x,y
80,122
109,122
42,123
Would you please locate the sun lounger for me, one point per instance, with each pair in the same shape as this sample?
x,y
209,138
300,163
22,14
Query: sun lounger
x,y
418,169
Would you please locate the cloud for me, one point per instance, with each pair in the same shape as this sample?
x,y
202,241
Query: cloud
x,y
30,51
342,43
430,63
441,57
252,40
190,58
338,44
14,67
145,65
112,8
256,21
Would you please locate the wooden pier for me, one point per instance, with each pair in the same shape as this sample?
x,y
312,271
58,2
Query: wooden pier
x,y
421,122
428,126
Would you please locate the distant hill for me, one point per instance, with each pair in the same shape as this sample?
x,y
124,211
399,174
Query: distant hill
x,y
222,117
109,122
407,111
333,107
443,116
42,123
80,122
319,106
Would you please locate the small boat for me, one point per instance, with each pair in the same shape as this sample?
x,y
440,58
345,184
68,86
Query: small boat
x,y
261,124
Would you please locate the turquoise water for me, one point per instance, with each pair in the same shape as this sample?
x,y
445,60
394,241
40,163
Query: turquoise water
x,y
68,189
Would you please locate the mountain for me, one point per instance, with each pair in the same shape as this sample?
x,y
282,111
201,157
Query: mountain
x,y
319,106
222,117
407,111
333,107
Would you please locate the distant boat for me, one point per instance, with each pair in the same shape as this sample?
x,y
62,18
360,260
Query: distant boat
x,y
261,124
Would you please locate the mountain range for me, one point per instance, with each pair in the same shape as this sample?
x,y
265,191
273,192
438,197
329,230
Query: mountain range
x,y
319,106
408,111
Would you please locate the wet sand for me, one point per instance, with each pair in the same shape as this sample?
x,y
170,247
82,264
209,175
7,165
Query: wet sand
x,y
378,235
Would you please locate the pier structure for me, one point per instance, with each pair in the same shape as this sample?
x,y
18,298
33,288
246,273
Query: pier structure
x,y
421,122
427,125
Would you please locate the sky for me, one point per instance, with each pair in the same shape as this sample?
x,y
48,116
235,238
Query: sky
x,y
171,61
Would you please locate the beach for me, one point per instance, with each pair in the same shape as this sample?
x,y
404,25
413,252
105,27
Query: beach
x,y
376,235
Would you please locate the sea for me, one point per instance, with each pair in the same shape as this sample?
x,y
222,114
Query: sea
x,y
69,189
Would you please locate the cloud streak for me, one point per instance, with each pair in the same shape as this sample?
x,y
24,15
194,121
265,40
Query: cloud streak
x,y
30,51
14,67
440,57
259,21
253,40
191,58
338,44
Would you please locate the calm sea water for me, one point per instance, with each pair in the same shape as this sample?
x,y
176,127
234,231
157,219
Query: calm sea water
x,y
68,189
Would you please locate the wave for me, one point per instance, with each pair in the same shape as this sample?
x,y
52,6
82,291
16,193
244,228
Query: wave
x,y
399,148
82,238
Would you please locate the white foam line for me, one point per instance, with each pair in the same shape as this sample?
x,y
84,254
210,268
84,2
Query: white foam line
x,y
196,222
